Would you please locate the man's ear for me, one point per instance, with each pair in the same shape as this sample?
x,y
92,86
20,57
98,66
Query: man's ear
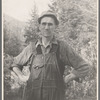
x,y
38,30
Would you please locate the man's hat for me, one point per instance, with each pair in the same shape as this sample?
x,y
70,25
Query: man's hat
x,y
48,13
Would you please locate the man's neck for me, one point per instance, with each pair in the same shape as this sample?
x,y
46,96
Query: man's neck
x,y
46,41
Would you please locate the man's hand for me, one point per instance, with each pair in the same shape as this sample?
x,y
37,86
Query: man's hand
x,y
20,74
69,78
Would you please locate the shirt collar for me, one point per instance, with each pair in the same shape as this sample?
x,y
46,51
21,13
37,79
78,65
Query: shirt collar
x,y
39,42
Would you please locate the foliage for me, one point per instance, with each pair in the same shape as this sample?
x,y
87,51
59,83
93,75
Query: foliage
x,y
13,87
31,29
81,90
12,42
12,47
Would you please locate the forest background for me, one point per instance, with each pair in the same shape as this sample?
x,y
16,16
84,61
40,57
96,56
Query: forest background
x,y
78,28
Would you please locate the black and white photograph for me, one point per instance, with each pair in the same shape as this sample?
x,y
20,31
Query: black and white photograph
x,y
50,50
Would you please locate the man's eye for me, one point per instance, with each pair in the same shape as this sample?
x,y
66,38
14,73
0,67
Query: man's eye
x,y
43,24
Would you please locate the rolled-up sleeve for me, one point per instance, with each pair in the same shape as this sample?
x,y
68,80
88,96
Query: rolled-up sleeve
x,y
71,58
22,58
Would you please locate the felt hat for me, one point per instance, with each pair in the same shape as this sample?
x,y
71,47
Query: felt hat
x,y
50,14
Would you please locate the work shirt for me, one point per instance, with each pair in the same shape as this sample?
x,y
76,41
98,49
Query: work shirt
x,y
67,55
46,49
47,68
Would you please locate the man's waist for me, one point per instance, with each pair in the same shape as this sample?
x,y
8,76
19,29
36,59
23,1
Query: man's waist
x,y
47,83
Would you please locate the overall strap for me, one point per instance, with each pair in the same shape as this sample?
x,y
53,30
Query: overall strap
x,y
60,62
33,48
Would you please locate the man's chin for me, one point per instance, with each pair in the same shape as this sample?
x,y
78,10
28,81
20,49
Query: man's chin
x,y
47,36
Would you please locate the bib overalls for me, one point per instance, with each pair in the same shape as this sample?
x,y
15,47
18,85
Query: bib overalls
x,y
46,79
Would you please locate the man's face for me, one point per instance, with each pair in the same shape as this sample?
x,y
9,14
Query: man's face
x,y
47,26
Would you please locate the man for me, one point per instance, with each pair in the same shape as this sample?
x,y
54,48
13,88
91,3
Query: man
x,y
46,59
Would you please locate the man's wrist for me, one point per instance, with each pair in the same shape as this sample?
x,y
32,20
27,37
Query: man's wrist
x,y
17,71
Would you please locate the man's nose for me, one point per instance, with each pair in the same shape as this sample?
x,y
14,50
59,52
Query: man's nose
x,y
46,27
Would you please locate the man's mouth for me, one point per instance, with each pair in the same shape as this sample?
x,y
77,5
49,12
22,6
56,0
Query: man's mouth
x,y
47,32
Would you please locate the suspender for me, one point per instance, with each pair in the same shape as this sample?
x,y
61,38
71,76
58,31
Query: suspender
x,y
60,63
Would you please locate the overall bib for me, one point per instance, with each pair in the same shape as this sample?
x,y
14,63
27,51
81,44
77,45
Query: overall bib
x,y
45,81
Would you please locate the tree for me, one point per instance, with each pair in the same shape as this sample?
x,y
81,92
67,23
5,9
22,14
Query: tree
x,y
31,30
12,42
